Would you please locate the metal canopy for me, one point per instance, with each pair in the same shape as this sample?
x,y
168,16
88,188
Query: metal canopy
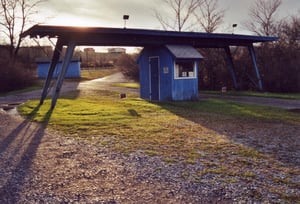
x,y
100,36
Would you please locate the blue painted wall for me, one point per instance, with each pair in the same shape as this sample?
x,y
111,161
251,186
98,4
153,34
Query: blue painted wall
x,y
169,87
143,62
185,89
73,70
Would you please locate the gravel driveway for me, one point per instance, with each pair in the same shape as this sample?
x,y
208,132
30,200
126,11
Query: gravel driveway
x,y
39,165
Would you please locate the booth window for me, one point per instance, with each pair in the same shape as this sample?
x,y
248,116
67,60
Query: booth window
x,y
185,69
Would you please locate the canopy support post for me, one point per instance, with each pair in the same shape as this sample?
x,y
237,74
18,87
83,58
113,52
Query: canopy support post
x,y
61,76
231,67
54,61
254,61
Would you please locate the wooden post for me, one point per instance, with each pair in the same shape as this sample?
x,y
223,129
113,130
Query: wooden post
x,y
231,67
61,76
55,58
254,61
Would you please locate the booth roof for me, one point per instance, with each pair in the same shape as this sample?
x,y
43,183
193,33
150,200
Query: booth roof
x,y
184,52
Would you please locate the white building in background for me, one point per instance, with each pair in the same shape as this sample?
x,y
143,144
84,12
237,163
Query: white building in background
x,y
116,50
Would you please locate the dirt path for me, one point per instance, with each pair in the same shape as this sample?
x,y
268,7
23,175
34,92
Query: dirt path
x,y
11,101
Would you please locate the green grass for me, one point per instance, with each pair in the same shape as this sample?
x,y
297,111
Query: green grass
x,y
293,96
238,110
156,128
127,85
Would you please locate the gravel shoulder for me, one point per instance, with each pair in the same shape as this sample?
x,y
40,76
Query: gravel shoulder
x,y
39,166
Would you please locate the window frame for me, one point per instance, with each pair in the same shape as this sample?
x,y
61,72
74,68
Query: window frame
x,y
176,76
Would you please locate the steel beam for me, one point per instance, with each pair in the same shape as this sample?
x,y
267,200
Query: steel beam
x,y
61,76
254,61
55,58
231,67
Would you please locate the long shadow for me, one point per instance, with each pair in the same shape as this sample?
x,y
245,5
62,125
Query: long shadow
x,y
276,139
18,150
12,136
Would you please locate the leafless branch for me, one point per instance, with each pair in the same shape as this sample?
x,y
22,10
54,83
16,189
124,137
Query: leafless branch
x,y
263,16
210,17
182,13
15,15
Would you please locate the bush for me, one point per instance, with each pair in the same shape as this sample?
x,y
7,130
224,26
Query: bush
x,y
128,66
15,74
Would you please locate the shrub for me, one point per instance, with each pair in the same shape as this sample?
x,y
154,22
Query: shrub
x,y
15,74
128,66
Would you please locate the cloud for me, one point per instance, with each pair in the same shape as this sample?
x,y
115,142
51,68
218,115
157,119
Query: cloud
x,y
110,12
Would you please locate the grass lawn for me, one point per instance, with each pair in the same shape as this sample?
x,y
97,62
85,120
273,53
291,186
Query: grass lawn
x,y
228,140
170,129
257,94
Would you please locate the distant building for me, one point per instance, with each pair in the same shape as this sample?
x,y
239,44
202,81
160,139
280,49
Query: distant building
x,y
116,50
91,58
88,57
73,70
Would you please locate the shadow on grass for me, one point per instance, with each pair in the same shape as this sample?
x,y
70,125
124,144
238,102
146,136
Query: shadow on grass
x,y
18,151
278,139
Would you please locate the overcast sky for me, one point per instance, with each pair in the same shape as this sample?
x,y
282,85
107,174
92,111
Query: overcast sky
x,y
109,13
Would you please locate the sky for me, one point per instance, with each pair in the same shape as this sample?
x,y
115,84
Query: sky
x,y
109,13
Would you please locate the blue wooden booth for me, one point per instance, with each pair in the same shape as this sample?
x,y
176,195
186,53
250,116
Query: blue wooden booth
x,y
73,70
169,72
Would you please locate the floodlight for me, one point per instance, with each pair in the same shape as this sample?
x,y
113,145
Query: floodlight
x,y
125,18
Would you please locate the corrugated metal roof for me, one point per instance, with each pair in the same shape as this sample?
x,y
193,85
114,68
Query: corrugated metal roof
x,y
184,52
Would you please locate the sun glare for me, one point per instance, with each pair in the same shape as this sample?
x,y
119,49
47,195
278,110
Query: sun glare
x,y
79,21
67,20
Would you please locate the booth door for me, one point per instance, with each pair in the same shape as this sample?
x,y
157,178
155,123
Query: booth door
x,y
154,78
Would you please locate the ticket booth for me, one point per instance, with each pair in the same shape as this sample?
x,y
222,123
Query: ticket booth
x,y
169,72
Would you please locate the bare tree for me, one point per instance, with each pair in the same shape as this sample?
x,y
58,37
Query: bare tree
x,y
183,13
14,17
289,31
210,16
263,17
